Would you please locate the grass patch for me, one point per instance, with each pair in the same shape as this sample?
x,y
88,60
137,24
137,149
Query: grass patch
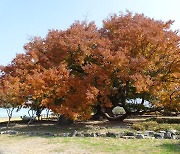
x,y
110,145
154,126
44,144
90,145
170,147
169,120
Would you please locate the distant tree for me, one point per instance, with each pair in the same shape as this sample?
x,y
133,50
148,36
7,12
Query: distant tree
x,y
9,91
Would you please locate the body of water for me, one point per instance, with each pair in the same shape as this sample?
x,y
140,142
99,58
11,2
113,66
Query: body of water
x,y
22,112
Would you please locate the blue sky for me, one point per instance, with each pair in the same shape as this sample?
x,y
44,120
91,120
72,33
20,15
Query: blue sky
x,y
23,19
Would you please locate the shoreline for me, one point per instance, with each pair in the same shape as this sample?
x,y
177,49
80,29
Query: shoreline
x,y
3,119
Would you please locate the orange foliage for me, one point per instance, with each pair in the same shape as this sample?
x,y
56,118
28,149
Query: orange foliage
x,y
71,71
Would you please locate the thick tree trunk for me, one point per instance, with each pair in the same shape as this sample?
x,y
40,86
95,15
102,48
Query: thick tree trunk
x,y
107,112
62,120
99,114
116,118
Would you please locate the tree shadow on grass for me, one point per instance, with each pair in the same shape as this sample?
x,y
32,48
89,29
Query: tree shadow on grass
x,y
171,147
40,126
52,125
44,127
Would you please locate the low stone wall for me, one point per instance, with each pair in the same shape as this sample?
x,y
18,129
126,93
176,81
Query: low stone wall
x,y
170,134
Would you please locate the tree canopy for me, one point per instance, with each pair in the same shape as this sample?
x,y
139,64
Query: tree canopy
x,y
75,70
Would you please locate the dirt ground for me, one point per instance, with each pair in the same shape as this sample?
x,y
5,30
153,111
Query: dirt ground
x,y
38,145
24,144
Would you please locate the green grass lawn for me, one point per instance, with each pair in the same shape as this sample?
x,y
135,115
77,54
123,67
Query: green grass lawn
x,y
111,145
24,144
86,145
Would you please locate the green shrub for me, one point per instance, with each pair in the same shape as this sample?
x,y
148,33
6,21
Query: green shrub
x,y
154,126
169,127
138,126
165,120
149,125
168,120
164,127
118,110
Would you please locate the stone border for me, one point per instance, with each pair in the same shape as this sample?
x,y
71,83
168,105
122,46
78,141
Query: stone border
x,y
170,134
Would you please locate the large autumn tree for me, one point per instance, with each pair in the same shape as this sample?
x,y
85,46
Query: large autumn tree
x,y
51,71
144,59
84,69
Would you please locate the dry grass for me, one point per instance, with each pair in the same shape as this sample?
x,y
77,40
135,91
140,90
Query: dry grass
x,y
77,145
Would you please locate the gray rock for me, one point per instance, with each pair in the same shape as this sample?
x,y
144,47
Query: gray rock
x,y
174,136
22,133
64,134
130,134
47,133
149,137
148,133
31,133
178,137
38,133
7,131
119,135
128,137
79,134
158,135
93,135
69,134
74,133
139,136
170,134
173,132
12,132
102,135
162,131
87,135
98,134
167,135
51,134
110,134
